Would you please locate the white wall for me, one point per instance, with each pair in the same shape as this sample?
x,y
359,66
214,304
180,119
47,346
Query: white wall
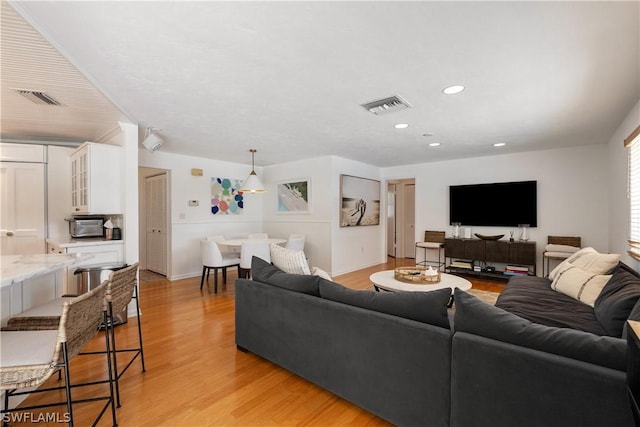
x,y
618,202
573,187
315,225
190,224
353,248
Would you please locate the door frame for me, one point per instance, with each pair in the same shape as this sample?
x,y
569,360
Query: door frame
x,y
399,215
143,173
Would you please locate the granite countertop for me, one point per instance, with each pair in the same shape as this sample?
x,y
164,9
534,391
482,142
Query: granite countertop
x,y
17,268
70,242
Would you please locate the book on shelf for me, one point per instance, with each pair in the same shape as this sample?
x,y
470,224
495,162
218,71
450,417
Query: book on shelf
x,y
462,264
516,270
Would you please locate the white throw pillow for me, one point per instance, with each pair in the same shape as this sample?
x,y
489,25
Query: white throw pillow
x,y
293,262
321,273
597,263
570,260
579,284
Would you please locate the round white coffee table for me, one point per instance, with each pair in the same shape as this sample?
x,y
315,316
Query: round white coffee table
x,y
385,280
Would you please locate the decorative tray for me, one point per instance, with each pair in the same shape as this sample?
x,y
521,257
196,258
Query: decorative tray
x,y
489,237
415,275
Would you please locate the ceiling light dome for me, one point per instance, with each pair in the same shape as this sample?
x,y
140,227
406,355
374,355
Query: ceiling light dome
x,y
452,90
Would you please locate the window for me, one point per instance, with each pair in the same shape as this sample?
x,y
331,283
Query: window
x,y
633,192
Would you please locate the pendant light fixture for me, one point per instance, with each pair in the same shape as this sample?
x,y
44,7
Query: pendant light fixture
x,y
252,184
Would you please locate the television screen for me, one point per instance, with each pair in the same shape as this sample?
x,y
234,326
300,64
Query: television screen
x,y
505,204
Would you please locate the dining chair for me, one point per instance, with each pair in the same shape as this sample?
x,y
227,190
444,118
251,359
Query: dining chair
x,y
558,248
258,236
295,242
433,240
249,249
214,258
30,357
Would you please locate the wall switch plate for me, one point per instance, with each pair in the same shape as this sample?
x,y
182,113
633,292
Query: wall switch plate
x,y
194,203
196,172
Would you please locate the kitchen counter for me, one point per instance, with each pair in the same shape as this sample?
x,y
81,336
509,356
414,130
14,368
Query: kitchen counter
x,y
18,268
70,242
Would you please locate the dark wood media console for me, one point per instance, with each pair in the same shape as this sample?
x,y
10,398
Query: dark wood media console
x,y
487,251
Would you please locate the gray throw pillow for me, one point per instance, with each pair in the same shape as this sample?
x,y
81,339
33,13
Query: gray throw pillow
x,y
616,301
426,307
479,318
262,271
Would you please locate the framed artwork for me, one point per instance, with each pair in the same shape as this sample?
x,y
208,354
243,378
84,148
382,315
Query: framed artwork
x,y
293,197
226,198
360,201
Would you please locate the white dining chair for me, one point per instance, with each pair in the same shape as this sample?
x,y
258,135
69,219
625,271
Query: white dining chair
x,y
295,242
248,250
214,258
258,236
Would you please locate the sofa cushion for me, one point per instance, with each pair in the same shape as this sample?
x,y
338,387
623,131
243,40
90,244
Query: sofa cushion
x,y
532,298
579,284
617,300
426,307
294,262
262,271
477,317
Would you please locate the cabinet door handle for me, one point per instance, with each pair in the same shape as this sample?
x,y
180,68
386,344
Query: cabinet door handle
x,y
9,233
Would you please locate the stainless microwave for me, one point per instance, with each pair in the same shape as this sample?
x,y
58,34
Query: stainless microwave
x,y
86,226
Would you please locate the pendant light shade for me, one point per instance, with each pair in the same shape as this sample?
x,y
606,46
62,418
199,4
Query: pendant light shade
x,y
252,184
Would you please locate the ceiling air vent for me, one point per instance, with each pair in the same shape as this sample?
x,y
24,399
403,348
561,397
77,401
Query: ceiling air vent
x,y
38,97
387,105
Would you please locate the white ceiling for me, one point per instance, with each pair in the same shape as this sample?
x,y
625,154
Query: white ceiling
x,y
288,78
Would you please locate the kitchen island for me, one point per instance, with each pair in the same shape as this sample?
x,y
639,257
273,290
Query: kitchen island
x,y
30,280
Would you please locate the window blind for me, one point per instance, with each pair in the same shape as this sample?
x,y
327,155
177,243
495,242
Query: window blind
x,y
633,192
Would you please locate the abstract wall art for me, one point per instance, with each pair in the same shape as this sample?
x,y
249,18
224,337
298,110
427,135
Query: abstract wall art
x,y
226,198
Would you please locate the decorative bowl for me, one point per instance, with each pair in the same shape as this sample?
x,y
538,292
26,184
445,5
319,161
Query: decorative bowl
x,y
415,275
489,237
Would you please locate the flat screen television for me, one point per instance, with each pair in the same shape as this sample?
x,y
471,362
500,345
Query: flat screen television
x,y
500,204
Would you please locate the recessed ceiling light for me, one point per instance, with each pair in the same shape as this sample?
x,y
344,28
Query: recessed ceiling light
x,y
499,144
452,90
434,144
401,126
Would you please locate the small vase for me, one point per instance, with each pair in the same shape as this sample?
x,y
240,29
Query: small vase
x,y
524,232
456,230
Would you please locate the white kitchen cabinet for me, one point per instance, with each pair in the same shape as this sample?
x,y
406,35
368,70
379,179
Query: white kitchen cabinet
x,y
96,179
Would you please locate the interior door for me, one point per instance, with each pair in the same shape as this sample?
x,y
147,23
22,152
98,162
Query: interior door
x,y
156,223
22,212
409,221
391,220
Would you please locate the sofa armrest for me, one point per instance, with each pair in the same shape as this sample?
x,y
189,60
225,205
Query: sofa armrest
x,y
496,384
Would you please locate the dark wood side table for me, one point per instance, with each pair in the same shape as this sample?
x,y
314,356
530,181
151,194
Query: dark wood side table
x,y
633,368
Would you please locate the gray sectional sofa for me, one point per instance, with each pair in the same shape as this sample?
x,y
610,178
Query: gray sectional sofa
x,y
396,355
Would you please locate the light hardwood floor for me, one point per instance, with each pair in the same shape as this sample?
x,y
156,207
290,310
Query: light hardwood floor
x,y
196,377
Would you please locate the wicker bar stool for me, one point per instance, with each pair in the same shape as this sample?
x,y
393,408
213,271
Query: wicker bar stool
x,y
29,358
120,290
